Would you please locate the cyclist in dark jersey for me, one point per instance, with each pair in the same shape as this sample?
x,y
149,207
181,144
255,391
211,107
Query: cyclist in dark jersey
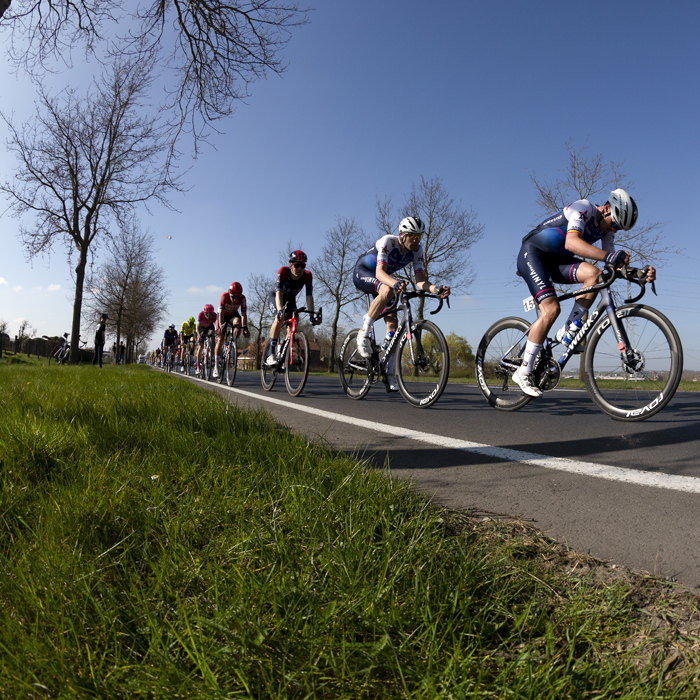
x,y
552,254
373,275
290,281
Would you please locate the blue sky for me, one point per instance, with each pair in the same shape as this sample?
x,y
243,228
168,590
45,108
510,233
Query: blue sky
x,y
377,94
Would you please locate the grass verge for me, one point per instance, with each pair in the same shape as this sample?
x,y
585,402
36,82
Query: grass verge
x,y
156,542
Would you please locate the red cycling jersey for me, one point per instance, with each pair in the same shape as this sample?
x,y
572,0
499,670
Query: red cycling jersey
x,y
232,305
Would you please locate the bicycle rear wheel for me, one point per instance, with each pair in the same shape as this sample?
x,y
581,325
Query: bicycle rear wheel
x,y
296,364
633,391
352,368
231,362
268,375
422,364
500,353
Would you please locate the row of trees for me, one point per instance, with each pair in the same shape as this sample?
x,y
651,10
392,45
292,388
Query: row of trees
x,y
87,160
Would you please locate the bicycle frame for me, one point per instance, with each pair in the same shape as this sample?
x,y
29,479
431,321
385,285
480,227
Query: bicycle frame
x,y
404,328
605,306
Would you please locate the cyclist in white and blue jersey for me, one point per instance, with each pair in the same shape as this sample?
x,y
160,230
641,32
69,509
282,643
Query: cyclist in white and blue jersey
x,y
551,254
373,275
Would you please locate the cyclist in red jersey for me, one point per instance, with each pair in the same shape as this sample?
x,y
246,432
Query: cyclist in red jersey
x,y
290,281
232,311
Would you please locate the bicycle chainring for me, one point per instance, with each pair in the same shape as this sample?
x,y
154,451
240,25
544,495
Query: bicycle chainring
x,y
547,376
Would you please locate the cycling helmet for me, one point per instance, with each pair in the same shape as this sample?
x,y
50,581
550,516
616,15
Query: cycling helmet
x,y
208,309
297,256
623,209
172,325
411,224
235,289
190,320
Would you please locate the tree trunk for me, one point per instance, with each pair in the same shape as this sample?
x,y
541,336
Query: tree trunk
x,y
334,337
78,305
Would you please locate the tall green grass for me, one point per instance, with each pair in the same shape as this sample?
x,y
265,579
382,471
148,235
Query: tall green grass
x,y
156,542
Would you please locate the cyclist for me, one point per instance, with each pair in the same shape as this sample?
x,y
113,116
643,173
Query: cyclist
x,y
373,275
206,326
170,341
233,311
290,281
187,331
549,255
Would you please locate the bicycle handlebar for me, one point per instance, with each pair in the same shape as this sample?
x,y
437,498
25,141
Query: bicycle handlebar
x,y
407,296
608,275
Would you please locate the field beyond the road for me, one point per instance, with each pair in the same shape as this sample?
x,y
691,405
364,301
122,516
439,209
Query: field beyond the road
x,y
157,542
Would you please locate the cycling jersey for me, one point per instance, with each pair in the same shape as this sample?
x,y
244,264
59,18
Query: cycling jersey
x,y
550,235
289,286
387,252
170,336
231,305
206,320
187,329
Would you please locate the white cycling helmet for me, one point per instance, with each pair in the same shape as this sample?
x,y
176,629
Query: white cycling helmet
x,y
411,224
623,209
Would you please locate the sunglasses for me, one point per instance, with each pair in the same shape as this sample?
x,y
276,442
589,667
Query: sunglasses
x,y
413,236
302,265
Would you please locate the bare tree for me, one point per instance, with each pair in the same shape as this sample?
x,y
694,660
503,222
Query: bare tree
x,y
215,49
344,243
259,317
129,286
84,161
587,176
450,230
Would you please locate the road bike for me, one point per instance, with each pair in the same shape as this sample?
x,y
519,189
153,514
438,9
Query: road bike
x,y
632,355
61,355
230,354
422,364
292,356
170,358
207,361
187,350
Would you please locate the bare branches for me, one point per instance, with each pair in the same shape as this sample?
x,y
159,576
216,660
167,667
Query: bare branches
x,y
86,161
129,286
216,48
344,243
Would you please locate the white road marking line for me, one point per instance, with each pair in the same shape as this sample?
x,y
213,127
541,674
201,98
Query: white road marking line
x,y
687,484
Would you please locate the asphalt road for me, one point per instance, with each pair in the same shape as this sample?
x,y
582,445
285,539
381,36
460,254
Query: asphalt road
x,y
594,496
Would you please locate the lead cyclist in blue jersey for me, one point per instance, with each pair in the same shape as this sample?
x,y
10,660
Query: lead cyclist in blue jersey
x,y
373,275
549,255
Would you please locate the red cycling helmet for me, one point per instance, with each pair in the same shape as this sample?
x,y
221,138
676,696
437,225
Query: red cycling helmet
x,y
208,309
235,289
297,256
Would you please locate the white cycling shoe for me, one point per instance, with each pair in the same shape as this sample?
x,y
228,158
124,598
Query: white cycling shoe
x,y
391,383
364,344
215,373
525,382
271,360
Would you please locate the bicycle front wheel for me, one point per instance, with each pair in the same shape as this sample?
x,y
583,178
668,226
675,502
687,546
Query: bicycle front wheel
x,y
500,353
186,361
231,362
268,375
296,364
422,364
635,388
207,362
352,368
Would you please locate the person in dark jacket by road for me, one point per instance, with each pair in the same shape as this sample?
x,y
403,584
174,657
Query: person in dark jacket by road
x,y
100,340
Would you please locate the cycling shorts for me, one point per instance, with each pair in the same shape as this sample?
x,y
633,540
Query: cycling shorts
x,y
272,304
229,319
205,332
541,271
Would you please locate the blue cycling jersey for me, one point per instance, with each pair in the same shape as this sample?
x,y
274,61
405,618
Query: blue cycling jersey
x,y
550,235
387,251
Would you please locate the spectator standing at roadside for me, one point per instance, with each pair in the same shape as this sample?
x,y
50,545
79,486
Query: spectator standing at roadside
x,y
100,341
122,348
